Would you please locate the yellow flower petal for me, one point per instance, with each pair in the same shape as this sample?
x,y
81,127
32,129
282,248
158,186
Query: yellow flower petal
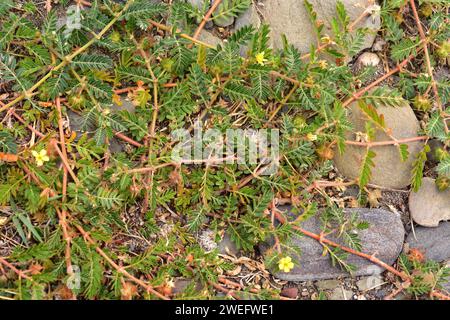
x,y
39,162
43,152
45,158
285,264
260,58
34,153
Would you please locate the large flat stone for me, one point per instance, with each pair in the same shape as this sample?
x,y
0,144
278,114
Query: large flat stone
x,y
389,170
384,238
249,17
290,17
433,242
429,206
209,38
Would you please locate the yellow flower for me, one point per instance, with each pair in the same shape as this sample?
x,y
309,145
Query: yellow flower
x,y
286,264
40,157
310,80
326,40
311,137
260,58
115,37
323,64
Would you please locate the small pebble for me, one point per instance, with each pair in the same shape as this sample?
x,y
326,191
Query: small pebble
x,y
290,292
368,59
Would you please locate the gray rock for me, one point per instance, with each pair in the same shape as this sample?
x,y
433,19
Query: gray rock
x,y
369,283
389,170
433,242
227,246
384,237
327,284
209,38
222,21
196,3
290,292
367,59
379,45
209,25
126,104
429,206
290,17
116,146
369,64
351,191
249,17
180,285
341,294
76,124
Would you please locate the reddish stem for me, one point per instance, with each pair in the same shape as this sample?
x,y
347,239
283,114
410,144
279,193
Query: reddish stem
x,y
206,18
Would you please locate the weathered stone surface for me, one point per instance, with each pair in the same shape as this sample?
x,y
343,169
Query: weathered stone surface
x,y
366,59
199,4
429,206
433,242
290,292
290,17
76,124
209,38
379,45
369,59
206,240
327,284
125,104
180,285
221,20
249,17
369,283
389,170
384,237
341,294
196,3
227,246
